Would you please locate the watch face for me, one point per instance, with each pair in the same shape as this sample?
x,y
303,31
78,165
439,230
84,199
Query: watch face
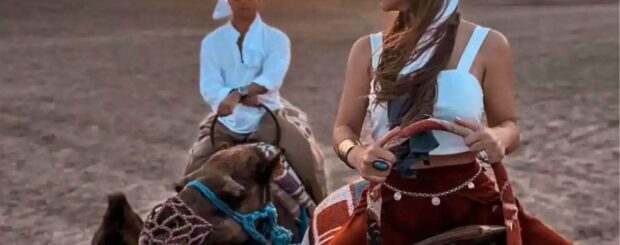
x,y
243,91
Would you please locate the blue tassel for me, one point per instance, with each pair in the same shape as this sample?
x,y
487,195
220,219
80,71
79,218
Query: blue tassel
x,y
281,236
304,222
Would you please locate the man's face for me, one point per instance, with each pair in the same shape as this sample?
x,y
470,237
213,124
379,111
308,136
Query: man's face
x,y
244,8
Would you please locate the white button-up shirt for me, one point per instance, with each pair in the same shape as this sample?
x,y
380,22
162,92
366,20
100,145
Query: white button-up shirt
x,y
265,61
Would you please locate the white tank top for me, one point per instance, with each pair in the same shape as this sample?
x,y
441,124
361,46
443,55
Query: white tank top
x,y
459,95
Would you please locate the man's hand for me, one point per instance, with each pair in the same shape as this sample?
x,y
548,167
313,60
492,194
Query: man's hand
x,y
228,105
251,101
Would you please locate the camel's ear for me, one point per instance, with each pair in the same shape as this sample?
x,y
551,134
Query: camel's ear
x,y
232,193
233,188
115,215
272,159
198,173
119,211
271,152
120,223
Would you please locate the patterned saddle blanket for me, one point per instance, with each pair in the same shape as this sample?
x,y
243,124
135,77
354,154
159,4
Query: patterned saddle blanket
x,y
334,211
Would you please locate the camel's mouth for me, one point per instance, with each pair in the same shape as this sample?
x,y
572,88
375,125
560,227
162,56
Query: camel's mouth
x,y
235,176
174,222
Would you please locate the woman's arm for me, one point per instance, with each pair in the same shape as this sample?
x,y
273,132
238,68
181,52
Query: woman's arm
x,y
352,112
501,136
498,89
354,99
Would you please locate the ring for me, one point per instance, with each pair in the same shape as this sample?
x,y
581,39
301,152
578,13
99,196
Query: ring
x,y
380,165
483,156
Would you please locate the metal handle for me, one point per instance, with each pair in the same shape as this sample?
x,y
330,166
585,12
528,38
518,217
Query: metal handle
x,y
271,113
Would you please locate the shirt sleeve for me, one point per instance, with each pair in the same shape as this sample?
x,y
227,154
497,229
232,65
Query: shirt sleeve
x,y
212,87
276,64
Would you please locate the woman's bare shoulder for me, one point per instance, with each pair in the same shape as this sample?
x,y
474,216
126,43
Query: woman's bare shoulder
x,y
495,47
495,41
360,51
362,46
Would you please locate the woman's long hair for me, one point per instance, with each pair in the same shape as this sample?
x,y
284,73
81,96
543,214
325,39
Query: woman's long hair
x,y
400,48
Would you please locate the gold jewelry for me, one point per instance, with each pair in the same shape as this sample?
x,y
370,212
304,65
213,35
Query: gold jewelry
x,y
483,156
345,147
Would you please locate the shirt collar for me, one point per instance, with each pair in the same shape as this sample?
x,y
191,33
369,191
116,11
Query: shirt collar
x,y
253,38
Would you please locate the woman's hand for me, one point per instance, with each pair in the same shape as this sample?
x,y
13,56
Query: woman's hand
x,y
480,139
362,158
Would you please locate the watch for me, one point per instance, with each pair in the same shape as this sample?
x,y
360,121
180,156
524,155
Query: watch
x,y
345,147
243,91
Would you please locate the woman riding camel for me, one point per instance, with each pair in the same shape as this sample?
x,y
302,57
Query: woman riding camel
x,y
431,63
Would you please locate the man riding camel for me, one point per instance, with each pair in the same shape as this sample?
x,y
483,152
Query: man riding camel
x,y
242,67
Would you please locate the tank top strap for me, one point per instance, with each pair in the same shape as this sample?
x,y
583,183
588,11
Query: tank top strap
x,y
473,47
376,47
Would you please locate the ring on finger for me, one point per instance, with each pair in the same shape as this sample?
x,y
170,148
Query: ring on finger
x,y
483,156
380,165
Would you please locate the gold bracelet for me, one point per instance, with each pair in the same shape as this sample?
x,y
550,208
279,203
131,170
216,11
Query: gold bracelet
x,y
345,147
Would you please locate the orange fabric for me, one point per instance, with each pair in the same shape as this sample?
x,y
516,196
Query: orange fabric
x,y
411,220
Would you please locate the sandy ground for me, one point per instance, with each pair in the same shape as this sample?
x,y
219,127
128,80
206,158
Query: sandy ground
x,y
101,96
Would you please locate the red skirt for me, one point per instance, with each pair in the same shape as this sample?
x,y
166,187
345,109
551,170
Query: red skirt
x,y
413,219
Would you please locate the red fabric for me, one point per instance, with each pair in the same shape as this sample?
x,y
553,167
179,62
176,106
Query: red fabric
x,y
411,220
337,211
